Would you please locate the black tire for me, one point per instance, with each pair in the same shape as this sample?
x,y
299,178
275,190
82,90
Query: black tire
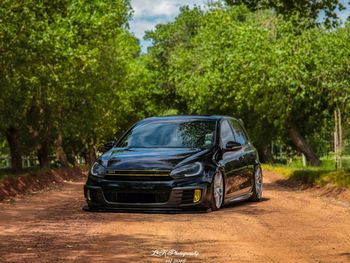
x,y
256,193
213,202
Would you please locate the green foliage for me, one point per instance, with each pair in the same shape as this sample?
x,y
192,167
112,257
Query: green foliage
x,y
166,38
302,13
256,66
314,176
71,69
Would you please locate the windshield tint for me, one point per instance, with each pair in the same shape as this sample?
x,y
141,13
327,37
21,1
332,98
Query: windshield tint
x,y
183,134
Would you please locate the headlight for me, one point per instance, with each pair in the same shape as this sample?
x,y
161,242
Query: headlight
x,y
188,170
97,170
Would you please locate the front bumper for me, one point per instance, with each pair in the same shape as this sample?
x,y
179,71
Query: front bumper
x,y
171,195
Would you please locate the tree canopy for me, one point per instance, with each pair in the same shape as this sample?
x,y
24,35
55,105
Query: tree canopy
x,y
307,13
256,67
72,75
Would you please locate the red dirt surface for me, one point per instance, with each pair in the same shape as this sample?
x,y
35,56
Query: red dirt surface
x,y
288,225
12,186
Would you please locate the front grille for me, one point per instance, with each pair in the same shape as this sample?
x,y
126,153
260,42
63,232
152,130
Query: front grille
x,y
137,178
138,175
136,197
187,196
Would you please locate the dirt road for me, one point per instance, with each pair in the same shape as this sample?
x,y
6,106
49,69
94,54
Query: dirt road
x,y
288,226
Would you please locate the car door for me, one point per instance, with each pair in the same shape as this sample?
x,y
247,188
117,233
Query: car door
x,y
247,155
231,162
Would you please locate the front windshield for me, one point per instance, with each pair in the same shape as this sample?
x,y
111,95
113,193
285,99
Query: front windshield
x,y
174,134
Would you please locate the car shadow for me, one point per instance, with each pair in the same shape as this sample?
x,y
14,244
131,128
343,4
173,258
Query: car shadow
x,y
233,205
145,211
244,203
247,207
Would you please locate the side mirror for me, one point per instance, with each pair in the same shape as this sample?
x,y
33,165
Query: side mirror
x,y
233,146
109,145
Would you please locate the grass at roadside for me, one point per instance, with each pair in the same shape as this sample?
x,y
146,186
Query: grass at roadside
x,y
312,175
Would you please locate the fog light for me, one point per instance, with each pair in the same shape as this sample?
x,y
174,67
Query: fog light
x,y
88,195
197,195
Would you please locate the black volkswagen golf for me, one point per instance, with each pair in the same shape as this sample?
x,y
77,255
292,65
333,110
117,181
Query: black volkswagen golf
x,y
176,162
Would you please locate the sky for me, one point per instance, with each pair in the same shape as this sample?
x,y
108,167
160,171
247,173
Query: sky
x,y
149,13
343,15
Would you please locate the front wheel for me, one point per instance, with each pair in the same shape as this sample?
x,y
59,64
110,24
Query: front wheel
x,y
258,185
217,195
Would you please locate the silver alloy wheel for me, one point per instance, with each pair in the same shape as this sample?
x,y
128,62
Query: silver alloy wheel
x,y
258,182
218,189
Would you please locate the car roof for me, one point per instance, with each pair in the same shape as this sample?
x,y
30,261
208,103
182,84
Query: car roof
x,y
186,117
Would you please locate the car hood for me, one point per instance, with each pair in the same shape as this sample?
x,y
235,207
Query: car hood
x,y
149,158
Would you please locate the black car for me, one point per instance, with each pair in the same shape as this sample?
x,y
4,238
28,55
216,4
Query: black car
x,y
176,162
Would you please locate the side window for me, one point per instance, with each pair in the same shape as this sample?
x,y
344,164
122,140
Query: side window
x,y
226,133
239,133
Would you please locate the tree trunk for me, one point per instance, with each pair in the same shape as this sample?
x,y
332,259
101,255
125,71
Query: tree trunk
x,y
302,145
76,159
338,139
90,156
60,153
336,161
341,145
12,136
265,153
43,155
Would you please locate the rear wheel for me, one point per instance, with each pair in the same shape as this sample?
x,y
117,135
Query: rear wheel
x,y
258,185
217,195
